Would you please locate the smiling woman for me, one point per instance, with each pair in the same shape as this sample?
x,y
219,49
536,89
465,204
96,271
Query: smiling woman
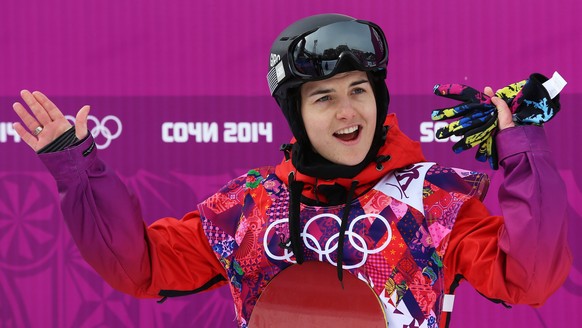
x,y
339,114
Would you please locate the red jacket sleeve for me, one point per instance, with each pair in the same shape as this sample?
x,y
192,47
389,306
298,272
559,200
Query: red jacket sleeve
x,y
522,257
181,258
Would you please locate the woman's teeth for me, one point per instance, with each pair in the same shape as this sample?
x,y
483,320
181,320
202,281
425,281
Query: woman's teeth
x,y
348,130
348,134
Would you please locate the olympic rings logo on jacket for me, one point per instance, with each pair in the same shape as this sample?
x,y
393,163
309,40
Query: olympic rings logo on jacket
x,y
324,251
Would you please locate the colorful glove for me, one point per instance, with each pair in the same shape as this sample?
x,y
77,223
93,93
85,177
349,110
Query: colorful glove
x,y
472,99
532,101
533,104
509,92
487,152
475,110
477,123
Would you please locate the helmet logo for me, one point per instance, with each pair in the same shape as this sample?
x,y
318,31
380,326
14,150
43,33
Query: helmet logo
x,y
274,60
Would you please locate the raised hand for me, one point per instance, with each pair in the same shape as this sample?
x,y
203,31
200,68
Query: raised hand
x,y
45,122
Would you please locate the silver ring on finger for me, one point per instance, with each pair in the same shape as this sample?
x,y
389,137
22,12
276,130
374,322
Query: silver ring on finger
x,y
38,130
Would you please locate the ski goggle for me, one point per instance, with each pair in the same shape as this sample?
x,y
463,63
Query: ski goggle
x,y
318,54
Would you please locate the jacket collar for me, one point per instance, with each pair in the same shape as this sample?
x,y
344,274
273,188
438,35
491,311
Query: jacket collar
x,y
402,151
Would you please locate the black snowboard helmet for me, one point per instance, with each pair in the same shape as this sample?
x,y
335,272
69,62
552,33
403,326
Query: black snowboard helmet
x,y
318,47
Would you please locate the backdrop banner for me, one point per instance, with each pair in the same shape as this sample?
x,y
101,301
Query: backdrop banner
x,y
180,106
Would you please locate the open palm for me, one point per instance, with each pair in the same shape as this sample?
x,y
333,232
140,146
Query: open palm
x,y
45,122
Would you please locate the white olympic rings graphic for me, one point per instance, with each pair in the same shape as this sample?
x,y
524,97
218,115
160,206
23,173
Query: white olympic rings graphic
x,y
102,129
311,242
286,253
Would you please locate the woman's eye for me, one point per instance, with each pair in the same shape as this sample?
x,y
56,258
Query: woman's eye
x,y
358,90
323,99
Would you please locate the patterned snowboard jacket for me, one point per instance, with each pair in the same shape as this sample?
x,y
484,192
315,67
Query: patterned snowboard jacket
x,y
234,234
396,236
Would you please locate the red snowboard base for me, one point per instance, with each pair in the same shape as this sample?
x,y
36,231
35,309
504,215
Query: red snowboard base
x,y
310,295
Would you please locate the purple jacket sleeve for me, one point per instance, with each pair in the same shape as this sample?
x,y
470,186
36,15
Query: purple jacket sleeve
x,y
105,221
534,204
523,256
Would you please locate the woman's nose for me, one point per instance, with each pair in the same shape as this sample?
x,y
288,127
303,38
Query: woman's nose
x,y
346,110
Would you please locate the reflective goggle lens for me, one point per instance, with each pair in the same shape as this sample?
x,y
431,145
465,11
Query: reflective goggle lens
x,y
317,54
